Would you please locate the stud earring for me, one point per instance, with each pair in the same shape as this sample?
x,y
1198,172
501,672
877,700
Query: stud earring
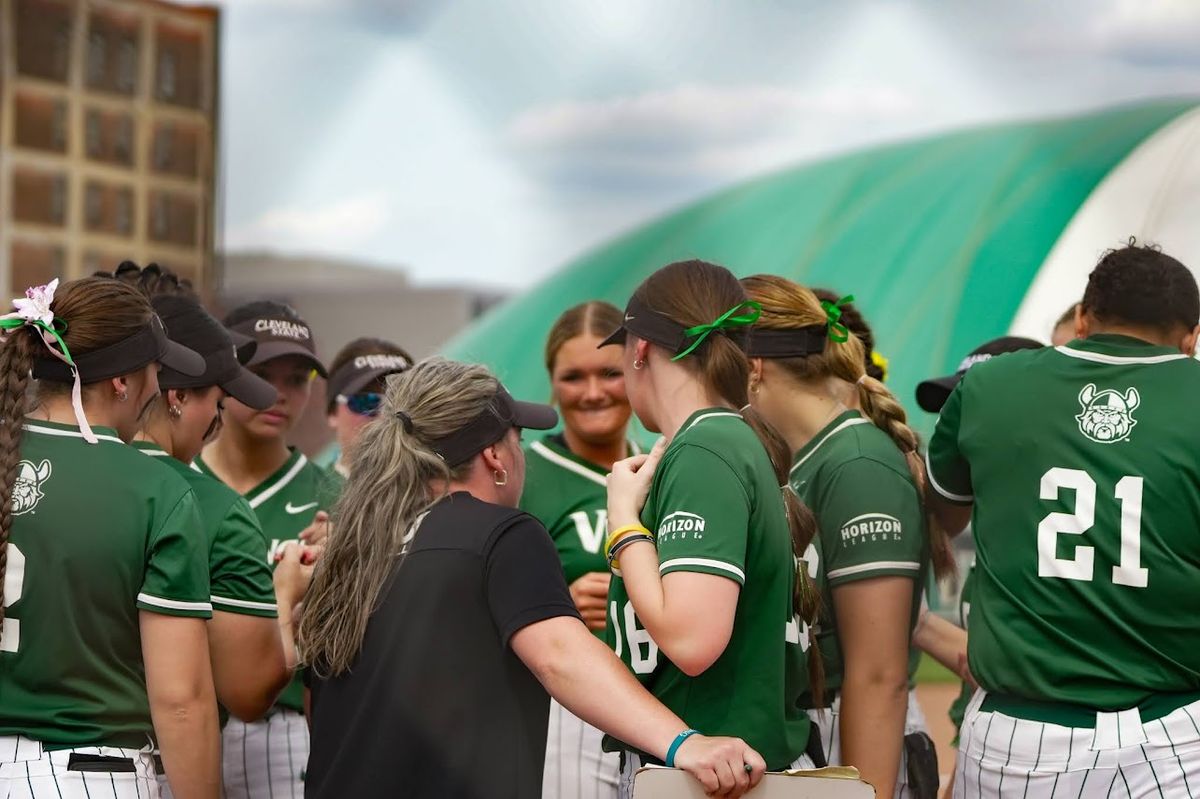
x,y
174,411
638,364
122,396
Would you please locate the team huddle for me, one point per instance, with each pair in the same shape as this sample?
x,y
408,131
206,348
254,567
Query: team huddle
x,y
450,611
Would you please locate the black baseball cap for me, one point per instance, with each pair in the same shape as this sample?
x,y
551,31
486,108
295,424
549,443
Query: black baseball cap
x,y
279,336
501,414
148,345
189,324
933,393
357,373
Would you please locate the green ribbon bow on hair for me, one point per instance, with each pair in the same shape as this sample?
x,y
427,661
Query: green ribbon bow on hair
x,y
729,319
54,329
833,312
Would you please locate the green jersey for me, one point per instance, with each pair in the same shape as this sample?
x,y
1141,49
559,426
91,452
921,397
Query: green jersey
x,y
240,580
715,508
870,520
99,533
285,504
569,496
1083,465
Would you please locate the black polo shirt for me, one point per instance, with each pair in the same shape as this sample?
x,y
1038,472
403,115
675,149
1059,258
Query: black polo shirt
x,y
437,705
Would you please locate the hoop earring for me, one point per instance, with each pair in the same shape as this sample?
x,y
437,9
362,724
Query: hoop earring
x,y
174,411
501,477
122,396
637,364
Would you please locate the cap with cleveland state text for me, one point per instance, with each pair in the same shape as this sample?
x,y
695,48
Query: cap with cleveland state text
x,y
276,337
359,372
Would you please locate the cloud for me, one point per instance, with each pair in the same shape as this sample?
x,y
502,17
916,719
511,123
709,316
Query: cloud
x,y
330,227
1154,31
695,135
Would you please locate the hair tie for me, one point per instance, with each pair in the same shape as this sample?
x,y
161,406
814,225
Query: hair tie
x,y
861,378
833,312
729,319
881,362
405,421
33,311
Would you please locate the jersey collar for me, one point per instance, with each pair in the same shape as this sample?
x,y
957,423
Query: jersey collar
x,y
150,448
553,449
69,430
273,484
843,421
1117,349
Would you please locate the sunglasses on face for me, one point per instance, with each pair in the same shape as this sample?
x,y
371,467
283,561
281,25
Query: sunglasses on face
x,y
364,404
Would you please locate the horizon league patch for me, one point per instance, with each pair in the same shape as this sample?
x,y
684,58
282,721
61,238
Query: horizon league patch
x,y
680,525
872,527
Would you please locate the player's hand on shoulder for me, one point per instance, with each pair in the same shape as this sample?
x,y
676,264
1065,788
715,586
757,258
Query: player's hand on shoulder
x,y
720,764
629,484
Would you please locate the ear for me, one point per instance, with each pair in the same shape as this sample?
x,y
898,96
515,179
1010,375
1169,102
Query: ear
x,y
1133,399
1088,394
1188,345
493,461
177,395
641,350
1083,325
120,384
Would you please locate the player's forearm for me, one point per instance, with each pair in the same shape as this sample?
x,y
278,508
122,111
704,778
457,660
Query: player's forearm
x,y
189,740
943,641
872,727
582,674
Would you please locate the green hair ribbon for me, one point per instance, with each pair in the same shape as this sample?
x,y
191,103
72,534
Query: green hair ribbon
x,y
55,330
833,312
730,318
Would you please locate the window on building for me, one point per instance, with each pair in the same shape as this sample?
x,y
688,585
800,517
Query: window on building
x,y
96,58
58,199
62,49
160,217
167,74
127,57
163,139
58,126
93,206
124,212
123,141
95,145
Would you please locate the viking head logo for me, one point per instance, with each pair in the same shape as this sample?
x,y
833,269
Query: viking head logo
x,y
27,491
1107,415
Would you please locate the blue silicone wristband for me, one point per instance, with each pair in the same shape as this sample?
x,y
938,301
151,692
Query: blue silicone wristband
x,y
674,747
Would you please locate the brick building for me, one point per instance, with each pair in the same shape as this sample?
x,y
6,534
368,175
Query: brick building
x,y
108,119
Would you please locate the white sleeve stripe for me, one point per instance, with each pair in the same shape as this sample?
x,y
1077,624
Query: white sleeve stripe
x,y
938,488
879,565
712,564
243,603
173,604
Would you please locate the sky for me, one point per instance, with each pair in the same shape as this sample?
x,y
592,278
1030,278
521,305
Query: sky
x,y
489,142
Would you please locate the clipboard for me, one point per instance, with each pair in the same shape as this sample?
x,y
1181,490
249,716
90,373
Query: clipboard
x,y
838,782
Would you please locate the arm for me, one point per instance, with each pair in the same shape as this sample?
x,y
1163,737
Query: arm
x,y
948,493
249,663
944,642
183,704
582,674
953,516
873,629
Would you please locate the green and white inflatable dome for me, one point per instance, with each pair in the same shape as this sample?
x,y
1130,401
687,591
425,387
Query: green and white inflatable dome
x,y
946,241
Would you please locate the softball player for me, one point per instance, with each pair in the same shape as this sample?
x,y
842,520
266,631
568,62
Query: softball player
x,y
355,390
1085,491
105,589
565,490
285,492
701,606
860,475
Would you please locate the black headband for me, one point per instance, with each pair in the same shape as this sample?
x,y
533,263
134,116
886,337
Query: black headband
x,y
799,342
657,328
125,356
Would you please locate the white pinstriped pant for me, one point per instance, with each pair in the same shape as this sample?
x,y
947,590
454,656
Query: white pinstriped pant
x,y
265,758
29,772
828,722
1002,756
576,766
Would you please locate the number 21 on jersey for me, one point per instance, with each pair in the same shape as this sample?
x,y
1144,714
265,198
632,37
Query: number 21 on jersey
x,y
1129,572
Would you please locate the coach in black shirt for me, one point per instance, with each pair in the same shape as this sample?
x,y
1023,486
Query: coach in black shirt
x,y
439,616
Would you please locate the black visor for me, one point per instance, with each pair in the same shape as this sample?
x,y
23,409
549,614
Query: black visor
x,y
189,324
148,345
799,342
502,414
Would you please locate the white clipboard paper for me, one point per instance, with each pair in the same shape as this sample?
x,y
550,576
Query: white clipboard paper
x,y
656,782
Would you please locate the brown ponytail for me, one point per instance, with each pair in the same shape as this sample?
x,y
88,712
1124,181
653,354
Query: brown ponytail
x,y
787,306
98,312
697,292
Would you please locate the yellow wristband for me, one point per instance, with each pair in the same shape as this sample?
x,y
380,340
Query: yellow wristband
x,y
621,532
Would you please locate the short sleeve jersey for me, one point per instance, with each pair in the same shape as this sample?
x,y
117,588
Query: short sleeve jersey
x,y
569,496
240,580
437,704
1083,464
285,504
99,533
869,516
715,508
